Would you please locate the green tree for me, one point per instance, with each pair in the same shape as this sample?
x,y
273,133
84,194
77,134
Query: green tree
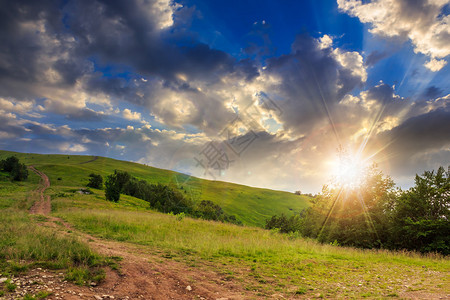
x,y
421,215
284,224
114,184
357,216
95,181
18,171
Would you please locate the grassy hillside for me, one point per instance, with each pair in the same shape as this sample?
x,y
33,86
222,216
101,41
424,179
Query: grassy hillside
x,y
250,205
264,263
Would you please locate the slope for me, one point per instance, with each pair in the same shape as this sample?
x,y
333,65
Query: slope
x,y
250,205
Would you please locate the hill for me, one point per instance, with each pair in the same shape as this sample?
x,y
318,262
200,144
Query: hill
x,y
126,251
250,205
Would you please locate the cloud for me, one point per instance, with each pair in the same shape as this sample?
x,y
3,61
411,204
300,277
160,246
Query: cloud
x,y
68,47
310,81
130,115
421,22
374,57
419,143
435,64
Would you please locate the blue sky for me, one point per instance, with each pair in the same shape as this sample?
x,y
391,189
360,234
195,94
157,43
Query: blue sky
x,y
273,87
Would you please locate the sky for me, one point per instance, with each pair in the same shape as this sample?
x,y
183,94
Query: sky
x,y
263,93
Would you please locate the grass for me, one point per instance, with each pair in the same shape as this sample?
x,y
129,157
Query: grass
x,y
268,261
261,261
23,244
250,205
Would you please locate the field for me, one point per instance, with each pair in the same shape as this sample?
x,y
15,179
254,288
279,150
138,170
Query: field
x,y
85,233
250,205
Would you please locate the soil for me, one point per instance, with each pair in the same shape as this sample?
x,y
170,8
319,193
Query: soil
x,y
42,204
141,275
89,161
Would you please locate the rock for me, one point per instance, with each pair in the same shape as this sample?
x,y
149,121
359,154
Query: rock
x,y
3,279
93,283
189,288
98,297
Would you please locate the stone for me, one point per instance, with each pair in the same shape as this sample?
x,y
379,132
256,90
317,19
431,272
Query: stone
x,y
98,297
3,279
189,288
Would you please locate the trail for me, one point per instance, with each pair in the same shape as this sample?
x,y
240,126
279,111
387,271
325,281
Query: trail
x,y
142,275
89,161
42,203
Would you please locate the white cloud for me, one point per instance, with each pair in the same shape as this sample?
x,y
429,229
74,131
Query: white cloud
x,y
160,11
130,115
421,22
68,147
435,64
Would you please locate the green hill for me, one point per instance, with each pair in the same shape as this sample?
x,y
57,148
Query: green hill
x,y
250,205
84,235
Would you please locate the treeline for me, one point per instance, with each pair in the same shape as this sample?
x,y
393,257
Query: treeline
x,y
377,215
16,170
163,198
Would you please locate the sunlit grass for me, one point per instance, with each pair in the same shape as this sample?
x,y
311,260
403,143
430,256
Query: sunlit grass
x,y
272,261
24,244
251,205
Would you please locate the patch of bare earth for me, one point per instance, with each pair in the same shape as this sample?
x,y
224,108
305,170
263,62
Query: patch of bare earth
x,y
141,275
42,204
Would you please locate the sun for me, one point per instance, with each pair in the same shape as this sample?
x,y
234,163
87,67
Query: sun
x,y
348,171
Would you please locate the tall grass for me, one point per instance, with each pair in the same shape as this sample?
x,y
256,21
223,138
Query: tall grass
x,y
265,256
251,205
22,241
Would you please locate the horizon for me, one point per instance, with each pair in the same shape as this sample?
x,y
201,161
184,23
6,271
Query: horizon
x,y
263,94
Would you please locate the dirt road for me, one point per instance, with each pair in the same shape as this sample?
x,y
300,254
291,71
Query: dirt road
x,y
142,275
42,203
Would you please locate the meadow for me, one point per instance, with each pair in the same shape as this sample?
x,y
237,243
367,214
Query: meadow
x,y
263,262
250,205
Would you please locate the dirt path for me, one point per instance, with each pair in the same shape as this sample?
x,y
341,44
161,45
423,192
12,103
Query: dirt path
x,y
89,161
142,275
42,204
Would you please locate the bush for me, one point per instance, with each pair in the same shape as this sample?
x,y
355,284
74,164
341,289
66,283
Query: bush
x,y
18,171
95,181
284,224
114,184
163,198
420,218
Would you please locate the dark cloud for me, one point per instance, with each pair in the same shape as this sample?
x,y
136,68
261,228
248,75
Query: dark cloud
x,y
85,115
412,145
432,92
124,32
51,45
375,57
312,82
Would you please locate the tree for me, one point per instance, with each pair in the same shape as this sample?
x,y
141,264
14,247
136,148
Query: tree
x,y
18,171
95,181
357,216
114,184
208,210
284,224
421,215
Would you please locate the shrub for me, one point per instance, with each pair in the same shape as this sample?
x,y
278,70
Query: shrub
x,y
114,184
18,171
95,181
